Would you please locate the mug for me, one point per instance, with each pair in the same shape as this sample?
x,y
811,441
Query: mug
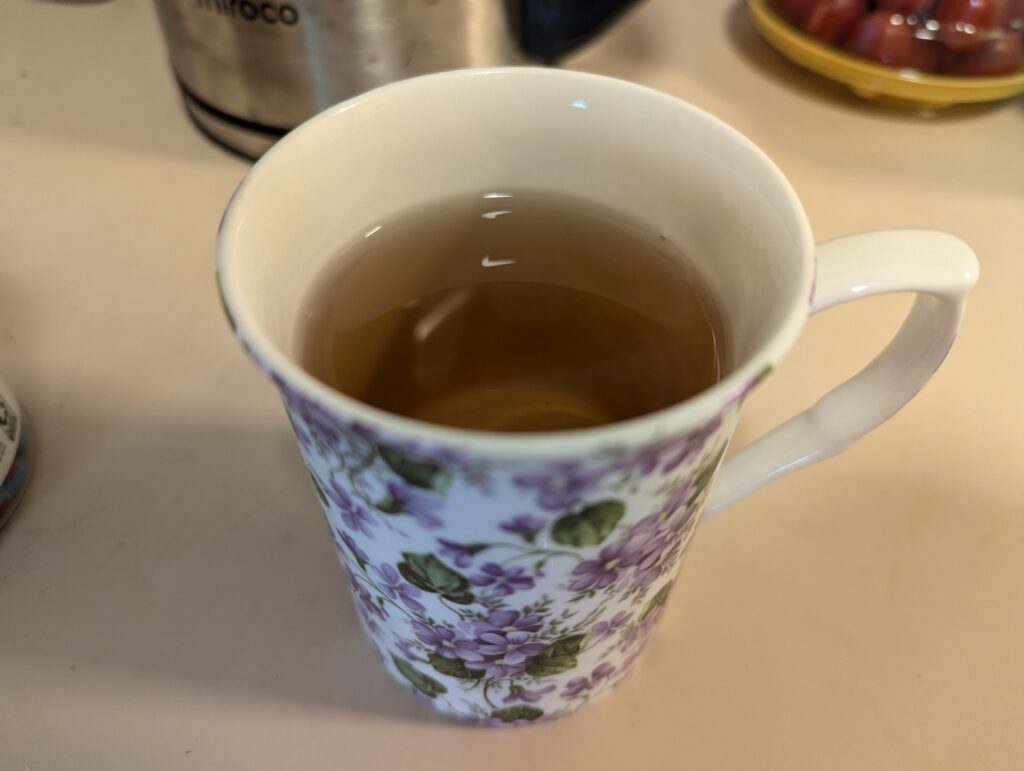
x,y
512,578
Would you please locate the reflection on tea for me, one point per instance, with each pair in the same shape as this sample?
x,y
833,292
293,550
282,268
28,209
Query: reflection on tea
x,y
513,312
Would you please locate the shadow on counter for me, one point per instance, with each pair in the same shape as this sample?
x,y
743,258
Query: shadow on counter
x,y
191,554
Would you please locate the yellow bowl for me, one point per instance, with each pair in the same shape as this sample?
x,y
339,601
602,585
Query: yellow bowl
x,y
871,80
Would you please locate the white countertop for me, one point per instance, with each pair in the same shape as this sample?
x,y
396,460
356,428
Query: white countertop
x,y
169,598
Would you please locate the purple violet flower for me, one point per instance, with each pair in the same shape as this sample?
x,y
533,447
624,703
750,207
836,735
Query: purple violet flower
x,y
689,445
506,621
447,642
575,687
638,633
367,606
395,587
644,577
354,516
504,581
658,538
518,693
364,431
604,629
679,499
603,671
458,553
515,647
423,506
559,486
643,461
671,517
345,539
305,440
525,525
317,424
450,456
604,571
658,553
500,667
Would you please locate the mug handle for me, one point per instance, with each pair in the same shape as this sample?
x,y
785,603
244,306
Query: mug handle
x,y
941,269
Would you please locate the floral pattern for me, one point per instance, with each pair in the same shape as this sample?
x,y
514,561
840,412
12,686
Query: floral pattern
x,y
506,593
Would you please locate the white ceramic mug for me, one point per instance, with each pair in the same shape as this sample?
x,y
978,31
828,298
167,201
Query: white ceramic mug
x,y
510,578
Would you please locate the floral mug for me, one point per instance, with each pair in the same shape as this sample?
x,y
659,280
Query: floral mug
x,y
512,578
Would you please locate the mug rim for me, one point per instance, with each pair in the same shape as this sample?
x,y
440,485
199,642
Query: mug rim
x,y
682,415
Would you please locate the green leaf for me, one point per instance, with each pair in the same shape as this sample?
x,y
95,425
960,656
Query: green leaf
x,y
454,667
590,526
518,712
431,575
656,601
567,646
425,684
421,473
559,657
318,488
706,473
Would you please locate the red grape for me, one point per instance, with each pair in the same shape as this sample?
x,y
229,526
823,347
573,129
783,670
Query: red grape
x,y
966,24
1012,15
1001,56
794,11
831,20
918,8
888,38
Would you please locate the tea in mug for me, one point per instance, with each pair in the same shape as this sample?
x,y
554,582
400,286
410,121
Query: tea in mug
x,y
513,311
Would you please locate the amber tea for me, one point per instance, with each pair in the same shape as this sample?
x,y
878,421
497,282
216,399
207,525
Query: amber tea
x,y
518,311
